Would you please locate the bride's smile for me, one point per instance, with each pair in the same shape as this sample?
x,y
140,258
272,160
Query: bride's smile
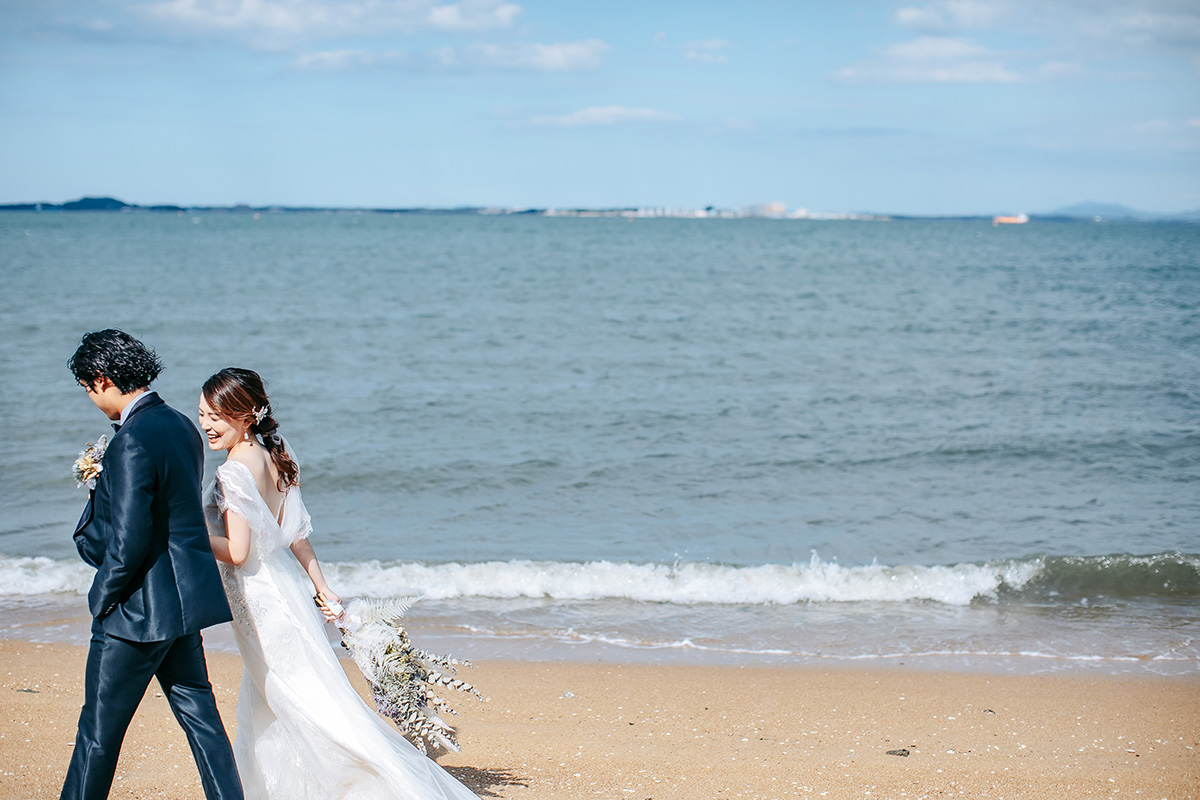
x,y
222,434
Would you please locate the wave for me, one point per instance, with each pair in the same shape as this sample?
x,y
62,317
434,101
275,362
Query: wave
x,y
573,637
1165,577
23,575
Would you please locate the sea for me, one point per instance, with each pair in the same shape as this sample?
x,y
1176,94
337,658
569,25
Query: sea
x,y
911,444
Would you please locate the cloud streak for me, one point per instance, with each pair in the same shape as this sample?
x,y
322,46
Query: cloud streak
x,y
587,54
1072,38
562,57
949,15
277,22
1153,126
932,59
709,50
604,115
1105,27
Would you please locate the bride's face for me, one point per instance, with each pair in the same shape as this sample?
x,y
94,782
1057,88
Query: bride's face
x,y
222,433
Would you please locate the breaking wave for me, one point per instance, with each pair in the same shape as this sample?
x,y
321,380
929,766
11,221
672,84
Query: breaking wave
x,y
1053,579
1071,578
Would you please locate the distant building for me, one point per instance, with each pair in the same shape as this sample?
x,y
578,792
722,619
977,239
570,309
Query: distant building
x,y
774,210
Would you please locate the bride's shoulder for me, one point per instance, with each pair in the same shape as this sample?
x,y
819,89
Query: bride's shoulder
x,y
247,462
243,464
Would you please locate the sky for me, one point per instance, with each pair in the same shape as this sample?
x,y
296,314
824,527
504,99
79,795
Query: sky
x,y
943,107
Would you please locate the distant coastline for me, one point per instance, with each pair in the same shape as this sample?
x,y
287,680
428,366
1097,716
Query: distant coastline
x,y
1082,212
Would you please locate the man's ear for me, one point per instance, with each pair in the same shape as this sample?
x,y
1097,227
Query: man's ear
x,y
102,384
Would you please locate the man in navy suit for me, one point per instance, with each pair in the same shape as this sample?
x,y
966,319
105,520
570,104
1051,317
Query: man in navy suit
x,y
156,582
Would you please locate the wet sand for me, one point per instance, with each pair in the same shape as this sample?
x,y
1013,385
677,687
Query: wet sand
x,y
557,730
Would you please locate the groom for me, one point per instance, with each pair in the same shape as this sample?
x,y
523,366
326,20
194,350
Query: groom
x,y
156,582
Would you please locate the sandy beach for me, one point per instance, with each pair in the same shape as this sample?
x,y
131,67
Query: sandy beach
x,y
557,730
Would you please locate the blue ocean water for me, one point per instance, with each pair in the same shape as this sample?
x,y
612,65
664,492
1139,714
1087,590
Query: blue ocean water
x,y
918,441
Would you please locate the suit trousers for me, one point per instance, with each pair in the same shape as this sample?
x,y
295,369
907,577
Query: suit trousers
x,y
118,672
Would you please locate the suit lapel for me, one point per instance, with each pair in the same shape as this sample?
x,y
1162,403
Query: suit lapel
x,y
86,517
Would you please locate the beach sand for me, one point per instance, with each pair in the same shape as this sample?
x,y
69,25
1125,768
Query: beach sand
x,y
550,731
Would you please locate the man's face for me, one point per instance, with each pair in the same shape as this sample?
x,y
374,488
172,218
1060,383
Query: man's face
x,y
106,396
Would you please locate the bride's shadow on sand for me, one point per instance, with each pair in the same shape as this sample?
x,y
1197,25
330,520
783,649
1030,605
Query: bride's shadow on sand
x,y
482,781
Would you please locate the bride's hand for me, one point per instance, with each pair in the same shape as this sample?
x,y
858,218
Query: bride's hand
x,y
329,599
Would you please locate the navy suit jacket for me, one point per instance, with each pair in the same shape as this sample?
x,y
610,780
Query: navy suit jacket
x,y
143,530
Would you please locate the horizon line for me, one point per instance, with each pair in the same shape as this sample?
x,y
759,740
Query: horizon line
x,y
773,210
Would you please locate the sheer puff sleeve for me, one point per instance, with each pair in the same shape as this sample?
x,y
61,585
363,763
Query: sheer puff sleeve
x,y
236,491
297,524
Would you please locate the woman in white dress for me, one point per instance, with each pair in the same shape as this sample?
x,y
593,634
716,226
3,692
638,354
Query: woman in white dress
x,y
302,730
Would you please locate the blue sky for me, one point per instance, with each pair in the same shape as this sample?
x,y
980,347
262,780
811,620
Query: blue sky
x,y
950,106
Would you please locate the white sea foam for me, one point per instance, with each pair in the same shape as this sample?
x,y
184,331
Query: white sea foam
x,y
690,583
24,576
685,583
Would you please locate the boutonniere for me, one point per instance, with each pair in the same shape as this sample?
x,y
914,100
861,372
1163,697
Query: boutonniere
x,y
88,466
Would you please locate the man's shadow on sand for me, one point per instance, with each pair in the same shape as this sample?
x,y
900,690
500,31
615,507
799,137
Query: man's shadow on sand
x,y
482,781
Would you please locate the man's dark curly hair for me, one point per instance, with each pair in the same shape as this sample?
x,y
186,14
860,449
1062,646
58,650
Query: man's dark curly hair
x,y
116,355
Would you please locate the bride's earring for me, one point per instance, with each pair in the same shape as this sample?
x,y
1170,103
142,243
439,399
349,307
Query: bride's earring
x,y
246,435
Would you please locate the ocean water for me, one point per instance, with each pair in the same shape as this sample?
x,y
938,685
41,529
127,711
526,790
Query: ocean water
x,y
929,443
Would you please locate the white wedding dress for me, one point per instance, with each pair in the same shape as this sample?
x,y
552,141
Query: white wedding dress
x,y
303,733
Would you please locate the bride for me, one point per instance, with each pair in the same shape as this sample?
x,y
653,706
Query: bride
x,y
302,730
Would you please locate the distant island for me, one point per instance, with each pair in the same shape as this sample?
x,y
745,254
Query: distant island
x,y
1081,212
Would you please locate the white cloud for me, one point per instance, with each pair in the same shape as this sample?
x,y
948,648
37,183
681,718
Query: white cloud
x,y
932,59
1105,27
473,15
1061,70
935,48
739,124
1153,126
1192,123
530,56
1073,37
706,50
1149,29
98,25
549,57
975,72
334,60
279,20
605,115
949,15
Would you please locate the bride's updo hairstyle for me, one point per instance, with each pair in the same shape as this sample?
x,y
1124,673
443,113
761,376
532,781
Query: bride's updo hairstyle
x,y
238,394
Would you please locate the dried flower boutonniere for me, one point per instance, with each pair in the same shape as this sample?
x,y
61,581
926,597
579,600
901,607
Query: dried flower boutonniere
x,y
88,466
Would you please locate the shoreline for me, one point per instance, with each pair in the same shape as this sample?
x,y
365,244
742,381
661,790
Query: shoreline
x,y
1134,641
73,629
557,729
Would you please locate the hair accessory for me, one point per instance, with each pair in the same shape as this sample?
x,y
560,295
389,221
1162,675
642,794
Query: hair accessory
x,y
259,414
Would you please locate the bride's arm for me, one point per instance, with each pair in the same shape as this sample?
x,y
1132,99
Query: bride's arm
x,y
303,551
235,549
